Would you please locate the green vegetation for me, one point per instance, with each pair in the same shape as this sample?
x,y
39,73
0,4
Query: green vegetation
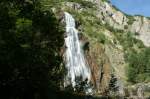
x,y
30,41
126,27
90,24
86,4
113,87
139,66
110,28
134,51
136,54
106,1
130,19
57,3
31,38
102,38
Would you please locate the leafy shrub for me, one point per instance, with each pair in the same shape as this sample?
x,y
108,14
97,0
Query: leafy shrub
x,y
105,0
86,4
139,66
126,27
30,42
130,19
101,38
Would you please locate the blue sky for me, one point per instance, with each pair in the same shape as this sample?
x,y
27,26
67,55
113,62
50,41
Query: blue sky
x,y
133,7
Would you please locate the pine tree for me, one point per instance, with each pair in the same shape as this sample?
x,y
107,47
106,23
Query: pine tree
x,y
113,84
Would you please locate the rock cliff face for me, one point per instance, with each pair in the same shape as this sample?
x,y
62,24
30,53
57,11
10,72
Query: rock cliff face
x,y
103,52
117,19
100,68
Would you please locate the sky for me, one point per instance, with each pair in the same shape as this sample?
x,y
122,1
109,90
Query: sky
x,y
133,7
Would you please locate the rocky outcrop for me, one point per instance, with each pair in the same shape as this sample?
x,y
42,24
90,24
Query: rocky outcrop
x,y
140,25
116,57
111,16
107,13
138,91
100,68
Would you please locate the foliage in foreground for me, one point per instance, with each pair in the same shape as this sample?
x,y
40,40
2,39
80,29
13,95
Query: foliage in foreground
x,y
30,40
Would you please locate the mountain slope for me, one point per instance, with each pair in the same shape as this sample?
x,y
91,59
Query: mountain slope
x,y
123,38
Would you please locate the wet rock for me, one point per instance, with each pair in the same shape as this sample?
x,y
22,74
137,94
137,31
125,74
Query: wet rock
x,y
100,68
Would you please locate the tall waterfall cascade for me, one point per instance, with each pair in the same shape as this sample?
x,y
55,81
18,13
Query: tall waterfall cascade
x,y
76,65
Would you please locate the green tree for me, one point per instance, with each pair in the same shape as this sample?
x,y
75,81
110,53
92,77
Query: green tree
x,y
139,66
113,84
30,42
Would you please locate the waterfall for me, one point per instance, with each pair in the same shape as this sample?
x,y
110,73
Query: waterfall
x,y
77,67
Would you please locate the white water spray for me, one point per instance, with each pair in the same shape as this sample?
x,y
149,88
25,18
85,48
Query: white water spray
x,y
74,56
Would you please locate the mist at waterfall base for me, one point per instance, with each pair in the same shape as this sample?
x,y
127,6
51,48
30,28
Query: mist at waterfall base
x,y
78,71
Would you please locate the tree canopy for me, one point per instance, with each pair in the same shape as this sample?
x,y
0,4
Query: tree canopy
x,y
139,66
30,41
